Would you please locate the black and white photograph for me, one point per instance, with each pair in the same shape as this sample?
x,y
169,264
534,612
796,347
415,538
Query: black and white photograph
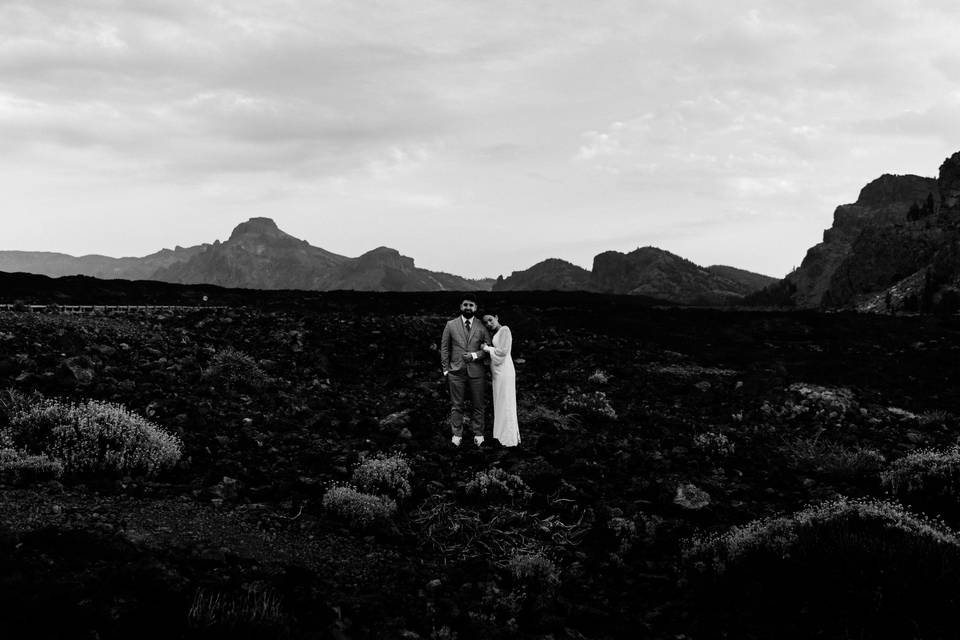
x,y
479,320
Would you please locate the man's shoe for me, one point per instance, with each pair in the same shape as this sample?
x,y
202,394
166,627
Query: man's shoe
x,y
478,440
456,440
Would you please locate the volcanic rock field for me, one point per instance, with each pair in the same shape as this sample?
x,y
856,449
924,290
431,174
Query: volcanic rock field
x,y
645,432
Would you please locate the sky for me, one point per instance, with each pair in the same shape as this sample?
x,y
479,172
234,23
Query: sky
x,y
476,136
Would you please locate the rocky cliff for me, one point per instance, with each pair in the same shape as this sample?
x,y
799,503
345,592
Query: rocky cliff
x,y
885,201
894,248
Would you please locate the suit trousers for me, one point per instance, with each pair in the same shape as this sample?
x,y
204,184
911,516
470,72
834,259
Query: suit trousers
x,y
460,385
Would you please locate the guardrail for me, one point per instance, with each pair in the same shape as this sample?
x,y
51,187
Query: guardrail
x,y
93,308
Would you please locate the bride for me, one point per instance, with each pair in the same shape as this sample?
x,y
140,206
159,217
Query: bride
x,y
505,426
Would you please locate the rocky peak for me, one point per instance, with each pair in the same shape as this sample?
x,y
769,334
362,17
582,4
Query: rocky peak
x,y
257,235
384,257
263,227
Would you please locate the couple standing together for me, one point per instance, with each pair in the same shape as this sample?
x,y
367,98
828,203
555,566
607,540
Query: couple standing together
x,y
465,345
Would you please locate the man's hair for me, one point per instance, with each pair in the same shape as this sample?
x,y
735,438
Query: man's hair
x,y
472,299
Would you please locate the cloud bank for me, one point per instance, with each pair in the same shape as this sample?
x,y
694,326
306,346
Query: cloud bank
x,y
532,130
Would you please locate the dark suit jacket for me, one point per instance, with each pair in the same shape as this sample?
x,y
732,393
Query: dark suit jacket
x,y
455,342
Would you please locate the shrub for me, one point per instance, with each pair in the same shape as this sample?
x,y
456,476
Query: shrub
x,y
19,466
534,570
930,470
92,437
599,377
360,510
841,568
716,444
384,474
497,484
234,367
928,479
594,404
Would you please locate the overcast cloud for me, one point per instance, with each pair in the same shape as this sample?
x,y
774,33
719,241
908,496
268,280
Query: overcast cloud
x,y
477,137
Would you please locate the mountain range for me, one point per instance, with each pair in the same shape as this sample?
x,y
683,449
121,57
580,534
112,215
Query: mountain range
x,y
897,248
645,271
259,255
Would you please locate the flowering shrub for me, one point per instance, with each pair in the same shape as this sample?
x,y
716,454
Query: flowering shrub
x,y
928,479
599,377
497,484
91,437
360,510
20,466
534,570
594,403
716,444
841,568
384,474
780,537
232,366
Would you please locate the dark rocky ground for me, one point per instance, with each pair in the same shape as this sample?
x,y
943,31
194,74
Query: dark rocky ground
x,y
356,374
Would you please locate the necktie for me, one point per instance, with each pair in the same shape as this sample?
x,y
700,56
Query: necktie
x,y
467,325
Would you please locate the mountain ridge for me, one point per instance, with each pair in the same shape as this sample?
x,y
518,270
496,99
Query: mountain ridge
x,y
259,255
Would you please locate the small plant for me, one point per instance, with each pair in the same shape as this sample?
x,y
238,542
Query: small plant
x,y
599,377
19,466
935,416
715,444
234,367
20,306
594,403
90,437
222,612
625,531
832,459
497,484
544,416
360,510
384,474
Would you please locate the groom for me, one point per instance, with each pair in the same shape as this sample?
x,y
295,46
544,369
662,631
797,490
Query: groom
x,y
461,359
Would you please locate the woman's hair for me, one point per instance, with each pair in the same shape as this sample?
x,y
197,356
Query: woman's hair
x,y
488,312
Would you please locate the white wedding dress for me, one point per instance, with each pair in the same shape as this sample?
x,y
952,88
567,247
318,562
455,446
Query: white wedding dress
x,y
506,428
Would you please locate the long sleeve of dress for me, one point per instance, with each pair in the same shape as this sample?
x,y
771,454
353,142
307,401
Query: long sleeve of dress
x,y
506,343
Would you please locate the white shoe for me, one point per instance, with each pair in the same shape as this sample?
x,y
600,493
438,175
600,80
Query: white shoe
x,y
478,440
456,440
